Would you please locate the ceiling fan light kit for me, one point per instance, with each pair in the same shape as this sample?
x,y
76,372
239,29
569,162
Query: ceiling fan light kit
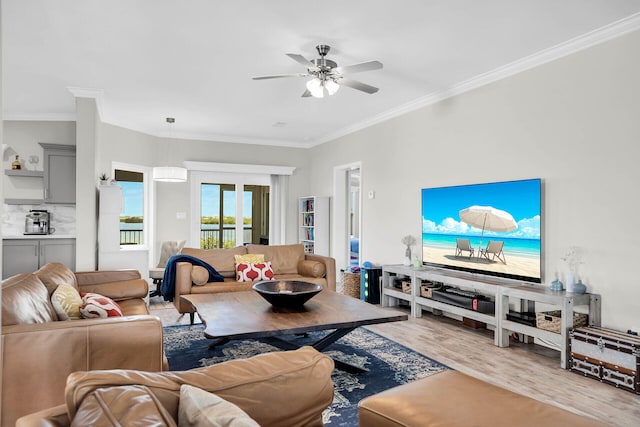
x,y
327,76
317,87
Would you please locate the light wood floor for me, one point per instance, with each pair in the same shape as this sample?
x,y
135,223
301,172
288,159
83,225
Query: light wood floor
x,y
528,369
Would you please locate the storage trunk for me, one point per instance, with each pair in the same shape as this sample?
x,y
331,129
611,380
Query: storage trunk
x,y
608,356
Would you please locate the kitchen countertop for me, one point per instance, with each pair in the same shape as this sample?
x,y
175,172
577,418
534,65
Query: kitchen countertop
x,y
38,236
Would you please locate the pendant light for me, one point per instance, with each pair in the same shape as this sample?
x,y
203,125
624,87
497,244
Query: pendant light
x,y
169,173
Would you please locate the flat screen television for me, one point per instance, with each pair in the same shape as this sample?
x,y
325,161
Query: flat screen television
x,y
491,228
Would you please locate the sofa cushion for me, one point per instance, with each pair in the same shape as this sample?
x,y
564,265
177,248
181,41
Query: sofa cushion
x,y
199,408
284,258
311,268
246,272
99,306
129,405
223,260
66,301
25,299
53,274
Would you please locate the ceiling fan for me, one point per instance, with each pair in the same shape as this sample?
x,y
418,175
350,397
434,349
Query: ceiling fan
x,y
327,76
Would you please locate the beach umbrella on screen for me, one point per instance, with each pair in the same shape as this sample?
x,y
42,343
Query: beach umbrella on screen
x,y
488,218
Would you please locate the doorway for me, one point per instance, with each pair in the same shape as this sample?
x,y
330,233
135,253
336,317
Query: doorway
x,y
347,215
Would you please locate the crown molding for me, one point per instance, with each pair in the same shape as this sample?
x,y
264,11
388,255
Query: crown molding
x,y
238,139
577,44
82,92
239,168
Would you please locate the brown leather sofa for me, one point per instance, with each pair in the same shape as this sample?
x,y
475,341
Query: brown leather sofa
x,y
451,398
289,262
289,388
38,351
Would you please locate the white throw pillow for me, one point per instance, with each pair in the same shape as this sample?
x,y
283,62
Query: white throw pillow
x,y
199,408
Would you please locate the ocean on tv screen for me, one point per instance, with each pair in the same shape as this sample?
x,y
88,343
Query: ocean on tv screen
x,y
489,228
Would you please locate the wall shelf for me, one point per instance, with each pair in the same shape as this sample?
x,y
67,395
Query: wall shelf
x,y
23,172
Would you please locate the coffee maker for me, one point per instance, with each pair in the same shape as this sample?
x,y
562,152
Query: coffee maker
x,y
37,222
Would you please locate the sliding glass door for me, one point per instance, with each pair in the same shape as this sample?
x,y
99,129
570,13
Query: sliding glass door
x,y
226,221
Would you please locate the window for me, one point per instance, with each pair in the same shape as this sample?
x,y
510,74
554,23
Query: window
x,y
220,219
132,219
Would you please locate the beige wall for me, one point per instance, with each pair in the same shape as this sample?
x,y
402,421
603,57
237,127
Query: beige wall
x,y
127,146
574,122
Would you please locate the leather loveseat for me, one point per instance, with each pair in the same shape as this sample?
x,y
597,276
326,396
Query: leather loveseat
x,y
39,351
289,262
286,388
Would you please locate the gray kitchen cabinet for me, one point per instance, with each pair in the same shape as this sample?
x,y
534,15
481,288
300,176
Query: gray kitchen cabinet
x,y
27,255
59,173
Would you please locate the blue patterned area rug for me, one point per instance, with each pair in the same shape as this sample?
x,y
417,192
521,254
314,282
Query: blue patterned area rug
x,y
389,363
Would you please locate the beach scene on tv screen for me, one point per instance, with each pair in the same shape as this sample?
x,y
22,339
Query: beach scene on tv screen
x,y
493,228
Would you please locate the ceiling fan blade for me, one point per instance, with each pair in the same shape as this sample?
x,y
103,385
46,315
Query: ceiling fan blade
x,y
356,68
278,76
301,60
306,94
357,85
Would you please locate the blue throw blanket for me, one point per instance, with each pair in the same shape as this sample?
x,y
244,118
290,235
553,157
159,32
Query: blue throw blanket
x,y
168,287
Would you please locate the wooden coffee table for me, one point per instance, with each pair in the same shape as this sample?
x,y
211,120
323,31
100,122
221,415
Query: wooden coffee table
x,y
242,315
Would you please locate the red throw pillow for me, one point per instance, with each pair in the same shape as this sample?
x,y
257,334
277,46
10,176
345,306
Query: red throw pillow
x,y
98,306
246,272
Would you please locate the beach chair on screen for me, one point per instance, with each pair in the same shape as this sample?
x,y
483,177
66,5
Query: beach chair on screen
x,y
463,245
494,248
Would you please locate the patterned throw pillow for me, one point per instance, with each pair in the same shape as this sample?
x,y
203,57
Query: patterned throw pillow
x,y
249,258
66,302
95,305
247,272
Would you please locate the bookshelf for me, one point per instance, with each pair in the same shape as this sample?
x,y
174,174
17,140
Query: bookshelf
x,y
313,224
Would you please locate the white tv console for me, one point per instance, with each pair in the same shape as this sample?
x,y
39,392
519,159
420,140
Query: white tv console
x,y
499,291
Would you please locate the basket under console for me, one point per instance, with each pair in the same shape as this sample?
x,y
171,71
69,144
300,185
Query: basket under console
x,y
608,356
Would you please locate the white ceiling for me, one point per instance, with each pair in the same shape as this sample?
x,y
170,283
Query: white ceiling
x,y
194,59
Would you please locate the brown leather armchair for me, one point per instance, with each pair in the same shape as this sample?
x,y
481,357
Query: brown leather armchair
x,y
287,388
38,352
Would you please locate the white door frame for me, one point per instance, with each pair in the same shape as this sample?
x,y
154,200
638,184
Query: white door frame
x,y
340,239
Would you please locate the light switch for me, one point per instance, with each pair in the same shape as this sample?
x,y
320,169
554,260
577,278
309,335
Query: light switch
x,y
372,194
181,215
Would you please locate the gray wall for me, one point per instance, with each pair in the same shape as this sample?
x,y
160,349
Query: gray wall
x,y
573,122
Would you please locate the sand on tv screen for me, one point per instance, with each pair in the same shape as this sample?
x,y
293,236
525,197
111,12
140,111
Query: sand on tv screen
x,y
491,228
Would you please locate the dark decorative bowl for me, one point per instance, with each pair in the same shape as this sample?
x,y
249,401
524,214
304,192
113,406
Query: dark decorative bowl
x,y
287,293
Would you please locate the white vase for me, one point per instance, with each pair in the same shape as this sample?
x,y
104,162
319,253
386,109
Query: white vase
x,y
569,281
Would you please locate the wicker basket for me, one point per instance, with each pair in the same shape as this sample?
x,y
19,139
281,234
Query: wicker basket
x,y
551,320
351,284
406,287
426,289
